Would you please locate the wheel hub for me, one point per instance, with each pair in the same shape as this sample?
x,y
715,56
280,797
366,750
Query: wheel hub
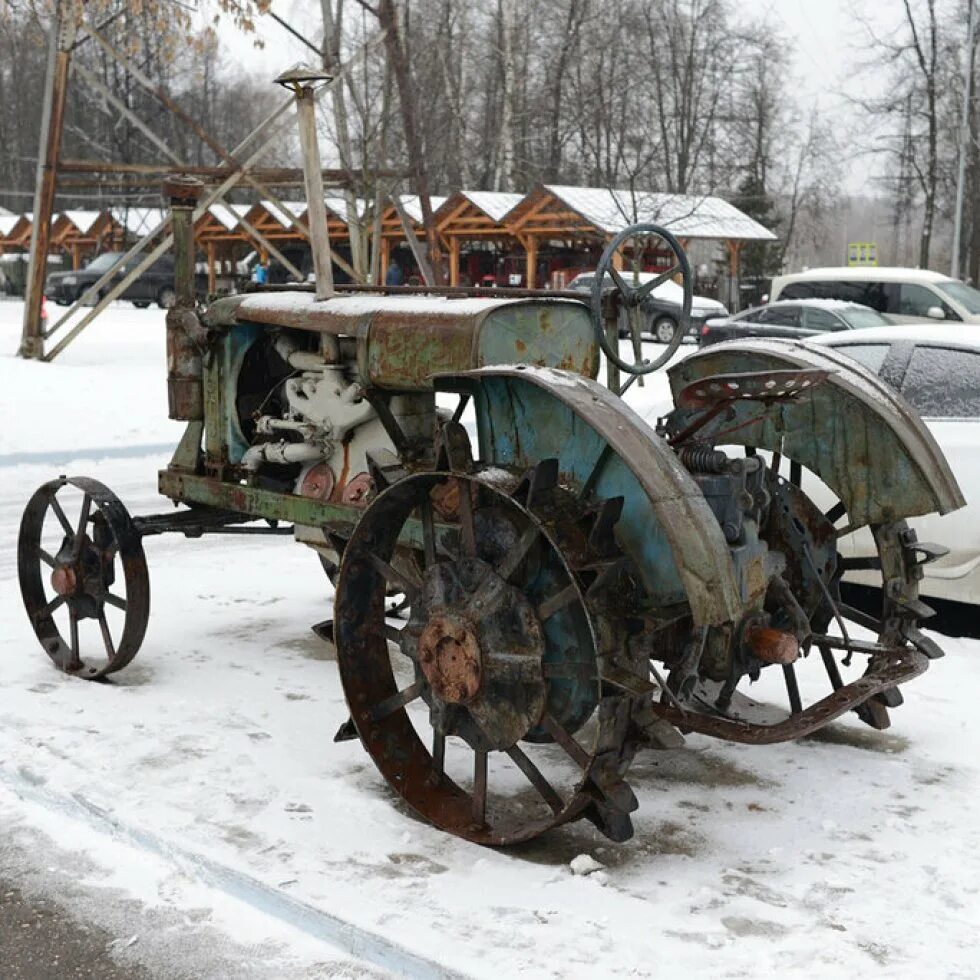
x,y
479,645
450,658
64,580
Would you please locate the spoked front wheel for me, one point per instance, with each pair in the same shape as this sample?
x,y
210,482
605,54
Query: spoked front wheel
x,y
83,577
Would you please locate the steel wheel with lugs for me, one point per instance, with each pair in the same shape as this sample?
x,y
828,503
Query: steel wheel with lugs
x,y
89,567
484,710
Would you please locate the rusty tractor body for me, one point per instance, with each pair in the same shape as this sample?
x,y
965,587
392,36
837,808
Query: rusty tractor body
x,y
530,594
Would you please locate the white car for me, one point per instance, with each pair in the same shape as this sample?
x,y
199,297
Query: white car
x,y
936,368
903,295
663,305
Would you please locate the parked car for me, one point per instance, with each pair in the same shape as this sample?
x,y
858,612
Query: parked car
x,y
904,295
791,320
663,306
936,369
153,285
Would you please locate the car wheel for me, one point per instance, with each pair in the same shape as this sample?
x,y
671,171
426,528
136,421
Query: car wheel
x,y
141,304
166,298
664,329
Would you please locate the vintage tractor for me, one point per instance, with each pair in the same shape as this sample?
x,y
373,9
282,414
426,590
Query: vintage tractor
x,y
525,600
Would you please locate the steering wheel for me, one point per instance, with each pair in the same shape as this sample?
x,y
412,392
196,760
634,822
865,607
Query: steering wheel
x,y
631,299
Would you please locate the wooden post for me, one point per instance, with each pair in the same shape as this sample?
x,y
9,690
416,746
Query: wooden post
x,y
453,260
76,257
532,260
61,40
212,278
385,259
734,247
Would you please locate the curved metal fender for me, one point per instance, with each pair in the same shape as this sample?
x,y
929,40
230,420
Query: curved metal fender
x,y
527,414
862,439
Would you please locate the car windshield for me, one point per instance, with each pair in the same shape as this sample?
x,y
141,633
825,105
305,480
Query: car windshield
x,y
960,292
858,318
104,262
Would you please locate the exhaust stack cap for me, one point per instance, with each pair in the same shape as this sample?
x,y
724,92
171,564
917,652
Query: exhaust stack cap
x,y
303,76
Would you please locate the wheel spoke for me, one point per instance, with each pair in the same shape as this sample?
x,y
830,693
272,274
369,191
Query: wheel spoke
x,y
636,338
397,700
62,519
110,647
82,522
438,753
480,787
866,563
467,532
648,287
566,741
405,583
114,600
536,779
54,604
393,634
428,531
624,289
859,617
74,658
833,672
836,512
46,558
557,602
517,554
792,689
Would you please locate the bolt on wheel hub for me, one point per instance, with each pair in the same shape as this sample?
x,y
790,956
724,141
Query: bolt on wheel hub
x,y
64,580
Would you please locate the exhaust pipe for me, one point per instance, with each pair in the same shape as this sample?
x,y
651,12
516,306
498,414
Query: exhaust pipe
x,y
185,335
302,80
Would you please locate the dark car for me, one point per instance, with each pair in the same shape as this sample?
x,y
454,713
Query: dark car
x,y
662,307
153,285
792,320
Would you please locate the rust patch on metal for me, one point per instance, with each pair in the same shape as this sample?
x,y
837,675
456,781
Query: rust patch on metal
x,y
356,492
772,646
450,658
64,580
337,493
318,482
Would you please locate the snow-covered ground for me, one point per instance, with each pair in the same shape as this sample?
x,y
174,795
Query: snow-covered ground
x,y
198,803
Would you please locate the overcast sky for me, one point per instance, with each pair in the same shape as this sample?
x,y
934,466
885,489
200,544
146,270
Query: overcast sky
x,y
823,34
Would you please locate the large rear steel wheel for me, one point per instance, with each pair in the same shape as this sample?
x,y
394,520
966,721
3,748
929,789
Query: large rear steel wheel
x,y
484,711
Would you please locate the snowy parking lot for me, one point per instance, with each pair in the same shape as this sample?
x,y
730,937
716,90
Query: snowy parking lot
x,y
199,808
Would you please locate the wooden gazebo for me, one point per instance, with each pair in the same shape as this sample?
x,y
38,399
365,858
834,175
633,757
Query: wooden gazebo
x,y
83,234
598,214
468,217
